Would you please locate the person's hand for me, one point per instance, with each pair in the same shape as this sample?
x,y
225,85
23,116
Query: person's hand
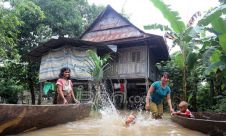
x,y
76,101
147,106
171,110
65,101
173,113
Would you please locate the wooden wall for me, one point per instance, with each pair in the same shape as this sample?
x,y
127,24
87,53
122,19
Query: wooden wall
x,y
133,62
153,72
129,62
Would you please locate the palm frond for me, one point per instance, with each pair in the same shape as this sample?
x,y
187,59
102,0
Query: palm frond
x,y
214,66
96,65
208,53
172,16
157,26
212,15
191,60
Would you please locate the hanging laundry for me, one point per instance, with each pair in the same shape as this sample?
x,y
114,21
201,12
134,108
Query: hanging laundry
x,y
48,86
116,85
122,87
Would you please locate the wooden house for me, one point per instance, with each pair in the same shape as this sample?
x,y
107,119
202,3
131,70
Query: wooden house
x,y
137,52
64,52
133,64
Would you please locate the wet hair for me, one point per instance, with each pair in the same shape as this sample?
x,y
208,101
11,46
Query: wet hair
x,y
183,104
62,70
165,74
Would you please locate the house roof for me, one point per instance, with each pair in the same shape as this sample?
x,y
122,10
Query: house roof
x,y
112,28
56,43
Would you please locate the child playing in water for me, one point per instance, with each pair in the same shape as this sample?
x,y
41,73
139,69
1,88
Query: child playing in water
x,y
130,119
183,110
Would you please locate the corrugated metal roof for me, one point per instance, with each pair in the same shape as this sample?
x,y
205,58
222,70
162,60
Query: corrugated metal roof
x,y
57,43
112,28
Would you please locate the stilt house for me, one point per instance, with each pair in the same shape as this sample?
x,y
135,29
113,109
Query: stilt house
x,y
133,65
136,56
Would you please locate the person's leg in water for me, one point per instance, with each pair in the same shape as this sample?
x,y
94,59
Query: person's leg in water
x,y
160,111
154,110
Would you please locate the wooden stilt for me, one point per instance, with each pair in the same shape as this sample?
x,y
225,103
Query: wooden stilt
x,y
147,84
40,93
113,93
125,94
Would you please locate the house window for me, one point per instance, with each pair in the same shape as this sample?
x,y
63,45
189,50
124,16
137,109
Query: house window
x,y
136,56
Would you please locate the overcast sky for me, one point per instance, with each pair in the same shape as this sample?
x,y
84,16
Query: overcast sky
x,y
142,12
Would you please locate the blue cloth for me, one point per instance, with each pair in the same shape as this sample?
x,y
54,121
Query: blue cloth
x,y
159,92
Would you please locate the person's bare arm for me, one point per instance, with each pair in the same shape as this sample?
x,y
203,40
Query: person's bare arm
x,y
150,91
169,103
73,95
60,91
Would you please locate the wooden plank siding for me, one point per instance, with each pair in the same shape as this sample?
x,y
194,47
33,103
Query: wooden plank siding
x,y
129,63
153,71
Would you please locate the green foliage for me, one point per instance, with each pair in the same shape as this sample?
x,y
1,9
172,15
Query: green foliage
x,y
12,80
69,17
172,16
157,26
212,16
203,97
32,29
8,33
198,53
191,60
97,65
183,36
220,106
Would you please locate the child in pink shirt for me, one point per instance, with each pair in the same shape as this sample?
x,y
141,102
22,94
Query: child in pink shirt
x,y
183,110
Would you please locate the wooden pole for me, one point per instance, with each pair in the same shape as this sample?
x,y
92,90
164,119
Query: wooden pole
x,y
113,93
125,94
40,93
147,84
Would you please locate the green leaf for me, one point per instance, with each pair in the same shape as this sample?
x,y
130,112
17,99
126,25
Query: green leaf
x,y
191,59
215,56
214,66
222,41
212,15
157,26
178,59
219,25
172,16
208,53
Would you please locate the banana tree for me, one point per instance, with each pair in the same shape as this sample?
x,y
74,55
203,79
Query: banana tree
x,y
182,35
96,68
215,44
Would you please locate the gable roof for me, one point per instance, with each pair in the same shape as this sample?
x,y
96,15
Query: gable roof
x,y
110,26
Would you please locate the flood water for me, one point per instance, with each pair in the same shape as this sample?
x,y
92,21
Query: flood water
x,y
109,124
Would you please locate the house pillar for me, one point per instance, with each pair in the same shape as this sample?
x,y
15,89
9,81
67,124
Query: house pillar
x,y
113,92
40,93
147,84
125,94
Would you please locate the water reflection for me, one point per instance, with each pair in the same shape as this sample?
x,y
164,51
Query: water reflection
x,y
107,124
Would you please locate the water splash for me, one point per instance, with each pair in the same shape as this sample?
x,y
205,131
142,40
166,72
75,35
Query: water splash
x,y
107,105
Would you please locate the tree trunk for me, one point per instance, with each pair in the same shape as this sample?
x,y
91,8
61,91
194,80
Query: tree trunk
x,y
185,83
194,97
40,95
211,91
31,84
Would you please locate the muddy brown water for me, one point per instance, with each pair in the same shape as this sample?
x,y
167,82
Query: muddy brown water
x,y
108,124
